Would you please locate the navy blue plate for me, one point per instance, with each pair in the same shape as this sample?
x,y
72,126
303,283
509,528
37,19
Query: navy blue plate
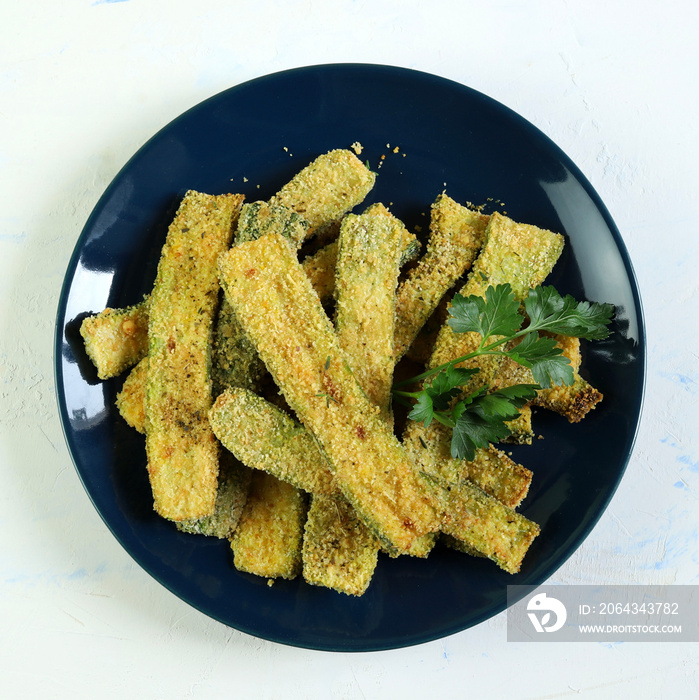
x,y
253,138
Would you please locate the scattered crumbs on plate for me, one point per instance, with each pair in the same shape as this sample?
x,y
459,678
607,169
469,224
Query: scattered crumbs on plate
x,y
245,179
270,582
258,187
418,228
357,147
396,149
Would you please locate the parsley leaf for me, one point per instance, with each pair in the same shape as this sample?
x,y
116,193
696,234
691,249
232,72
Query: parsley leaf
x,y
438,395
548,311
546,360
504,403
472,431
479,420
497,314
445,385
423,410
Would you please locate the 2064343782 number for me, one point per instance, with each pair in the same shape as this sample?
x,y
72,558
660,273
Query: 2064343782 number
x,y
638,609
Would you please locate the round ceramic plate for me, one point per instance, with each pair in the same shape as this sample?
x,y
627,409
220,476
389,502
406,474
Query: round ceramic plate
x,y
423,135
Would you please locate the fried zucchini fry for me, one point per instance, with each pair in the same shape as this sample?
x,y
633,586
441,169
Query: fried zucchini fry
x,y
339,552
266,438
483,524
574,401
326,189
368,264
279,310
456,237
116,339
181,448
321,265
269,536
231,496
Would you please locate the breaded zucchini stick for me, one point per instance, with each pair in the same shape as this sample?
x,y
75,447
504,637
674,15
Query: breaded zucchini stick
x,y
326,189
339,552
574,401
321,265
483,524
269,536
181,448
116,339
264,437
456,237
368,264
231,496
279,310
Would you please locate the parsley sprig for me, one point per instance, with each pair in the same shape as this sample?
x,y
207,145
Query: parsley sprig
x,y
480,417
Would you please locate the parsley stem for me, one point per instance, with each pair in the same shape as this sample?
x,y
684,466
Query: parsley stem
x,y
452,363
408,394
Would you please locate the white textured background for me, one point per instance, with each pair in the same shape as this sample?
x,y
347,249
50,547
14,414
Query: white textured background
x,y
84,83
